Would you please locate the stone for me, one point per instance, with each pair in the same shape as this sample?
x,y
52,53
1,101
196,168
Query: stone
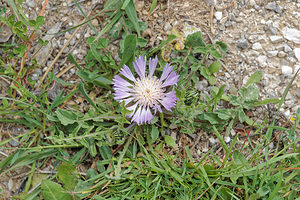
x,y
287,48
242,43
262,60
272,53
273,30
281,54
10,184
167,27
212,141
287,113
218,15
257,46
232,132
297,53
30,3
275,38
273,6
291,34
286,70
201,85
227,139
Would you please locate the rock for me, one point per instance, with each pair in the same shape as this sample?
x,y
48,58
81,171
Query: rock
x,y
257,46
167,27
297,53
232,132
286,70
273,6
291,34
281,54
5,33
212,141
262,60
275,38
272,53
211,2
298,94
242,43
273,30
10,184
271,145
287,48
218,15
201,85
287,113
30,3
227,139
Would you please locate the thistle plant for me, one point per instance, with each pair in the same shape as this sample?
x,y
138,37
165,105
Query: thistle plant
x,y
146,93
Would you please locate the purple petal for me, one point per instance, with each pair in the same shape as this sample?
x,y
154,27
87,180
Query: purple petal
x,y
157,107
169,100
140,66
171,80
118,81
128,100
152,65
167,70
125,71
132,108
121,95
148,116
137,116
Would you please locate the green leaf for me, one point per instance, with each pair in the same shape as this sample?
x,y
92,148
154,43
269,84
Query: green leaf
x,y
129,49
66,175
141,42
214,67
254,78
66,117
132,15
154,133
266,101
212,80
242,115
162,44
169,140
102,43
40,20
54,191
82,90
222,46
239,158
195,39
249,93
213,51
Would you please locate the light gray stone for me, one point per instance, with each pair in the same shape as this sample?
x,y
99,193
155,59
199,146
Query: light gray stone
x,y
273,6
257,46
297,53
272,53
262,60
242,43
276,38
281,54
286,70
291,34
287,48
218,15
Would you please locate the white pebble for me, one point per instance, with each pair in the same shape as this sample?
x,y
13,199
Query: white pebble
x,y
232,132
287,113
10,184
275,38
212,141
227,139
218,15
287,70
297,53
257,46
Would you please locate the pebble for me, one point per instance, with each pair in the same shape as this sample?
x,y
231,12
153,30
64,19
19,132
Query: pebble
x,y
167,27
35,77
273,30
281,54
72,71
297,53
242,43
271,145
272,53
286,70
275,38
257,46
287,48
30,3
287,113
227,139
291,34
273,6
10,184
201,85
212,141
232,132
218,15
262,60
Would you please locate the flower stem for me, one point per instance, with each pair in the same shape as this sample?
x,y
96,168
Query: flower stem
x,y
162,122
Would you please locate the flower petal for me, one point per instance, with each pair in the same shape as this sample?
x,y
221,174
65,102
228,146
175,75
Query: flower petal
x,y
119,95
140,66
169,100
172,79
148,116
167,70
125,71
118,81
152,65
132,108
137,116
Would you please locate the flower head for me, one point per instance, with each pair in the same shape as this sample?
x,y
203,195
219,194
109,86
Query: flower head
x,y
146,93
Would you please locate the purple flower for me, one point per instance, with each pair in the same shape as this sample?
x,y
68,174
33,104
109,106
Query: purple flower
x,y
146,93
